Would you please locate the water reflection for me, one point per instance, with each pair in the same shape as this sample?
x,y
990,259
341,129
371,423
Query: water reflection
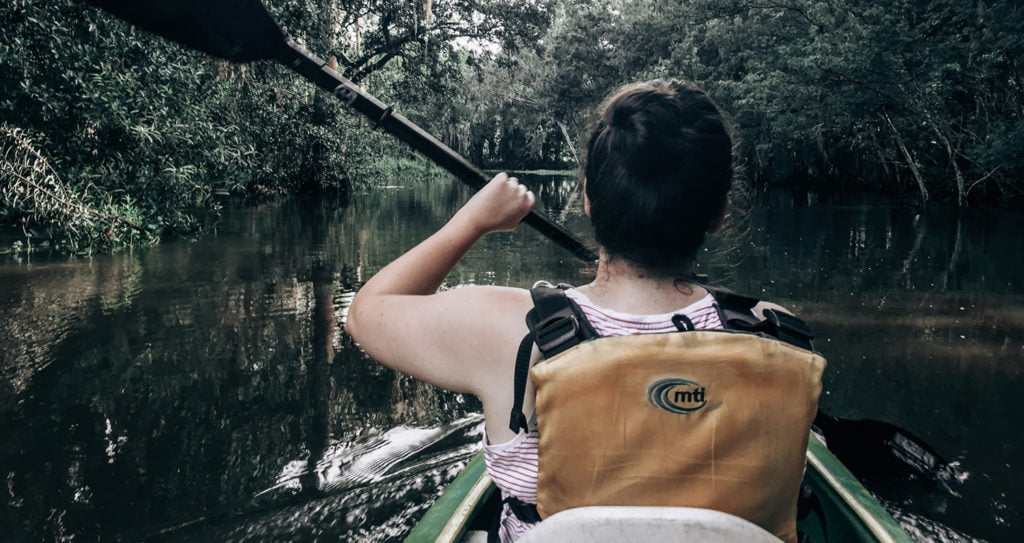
x,y
205,390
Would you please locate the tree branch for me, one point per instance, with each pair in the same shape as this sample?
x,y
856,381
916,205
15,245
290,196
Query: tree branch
x,y
76,205
986,176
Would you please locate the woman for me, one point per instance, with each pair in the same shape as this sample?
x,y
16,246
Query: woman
x,y
659,168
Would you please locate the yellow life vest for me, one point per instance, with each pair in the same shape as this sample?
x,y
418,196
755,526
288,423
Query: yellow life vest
x,y
710,419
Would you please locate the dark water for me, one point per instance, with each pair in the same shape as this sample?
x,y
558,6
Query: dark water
x,y
205,390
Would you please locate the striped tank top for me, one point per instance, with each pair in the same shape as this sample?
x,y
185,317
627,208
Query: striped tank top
x,y
513,465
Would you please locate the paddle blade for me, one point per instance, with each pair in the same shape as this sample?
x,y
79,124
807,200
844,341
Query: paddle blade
x,y
236,30
871,447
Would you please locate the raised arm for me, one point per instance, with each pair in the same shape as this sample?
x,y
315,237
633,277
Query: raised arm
x,y
447,339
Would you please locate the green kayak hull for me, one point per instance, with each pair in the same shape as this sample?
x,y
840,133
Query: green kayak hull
x,y
843,510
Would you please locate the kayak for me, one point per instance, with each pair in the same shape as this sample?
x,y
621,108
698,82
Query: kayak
x,y
834,507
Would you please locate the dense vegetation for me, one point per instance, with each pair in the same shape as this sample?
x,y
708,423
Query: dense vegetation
x,y
906,97
110,136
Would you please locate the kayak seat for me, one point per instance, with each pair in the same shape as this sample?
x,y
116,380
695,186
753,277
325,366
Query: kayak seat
x,y
606,524
475,536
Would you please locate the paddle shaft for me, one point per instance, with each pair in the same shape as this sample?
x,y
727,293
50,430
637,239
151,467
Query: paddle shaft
x,y
318,72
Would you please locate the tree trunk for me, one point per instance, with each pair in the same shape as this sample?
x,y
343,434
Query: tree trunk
x,y
428,14
568,141
359,40
961,189
911,161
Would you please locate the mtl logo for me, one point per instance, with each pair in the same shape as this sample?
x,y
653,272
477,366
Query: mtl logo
x,y
677,395
681,397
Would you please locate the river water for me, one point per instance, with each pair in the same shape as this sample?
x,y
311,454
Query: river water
x,y
204,390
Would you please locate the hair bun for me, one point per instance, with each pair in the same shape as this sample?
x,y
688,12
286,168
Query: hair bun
x,y
621,116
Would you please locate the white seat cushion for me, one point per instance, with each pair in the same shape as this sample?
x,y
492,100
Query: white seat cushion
x,y
646,525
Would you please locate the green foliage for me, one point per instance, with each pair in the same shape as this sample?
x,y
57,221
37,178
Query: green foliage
x,y
138,127
918,99
121,115
33,195
924,100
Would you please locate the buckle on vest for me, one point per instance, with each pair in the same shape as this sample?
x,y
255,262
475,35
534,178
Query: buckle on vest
x,y
555,330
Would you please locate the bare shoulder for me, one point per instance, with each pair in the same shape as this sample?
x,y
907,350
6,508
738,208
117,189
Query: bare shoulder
x,y
497,300
487,313
456,339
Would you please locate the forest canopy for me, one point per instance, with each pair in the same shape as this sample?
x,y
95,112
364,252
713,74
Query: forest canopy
x,y
110,136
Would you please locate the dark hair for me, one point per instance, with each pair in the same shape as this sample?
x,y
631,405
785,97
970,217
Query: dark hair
x,y
658,172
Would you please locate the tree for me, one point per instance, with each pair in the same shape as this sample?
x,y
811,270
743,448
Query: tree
x,y
918,99
149,129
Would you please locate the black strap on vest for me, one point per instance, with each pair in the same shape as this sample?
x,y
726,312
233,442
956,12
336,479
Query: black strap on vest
x,y
524,511
737,313
557,323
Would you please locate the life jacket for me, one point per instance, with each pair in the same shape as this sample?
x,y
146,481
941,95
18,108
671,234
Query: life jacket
x,y
717,419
